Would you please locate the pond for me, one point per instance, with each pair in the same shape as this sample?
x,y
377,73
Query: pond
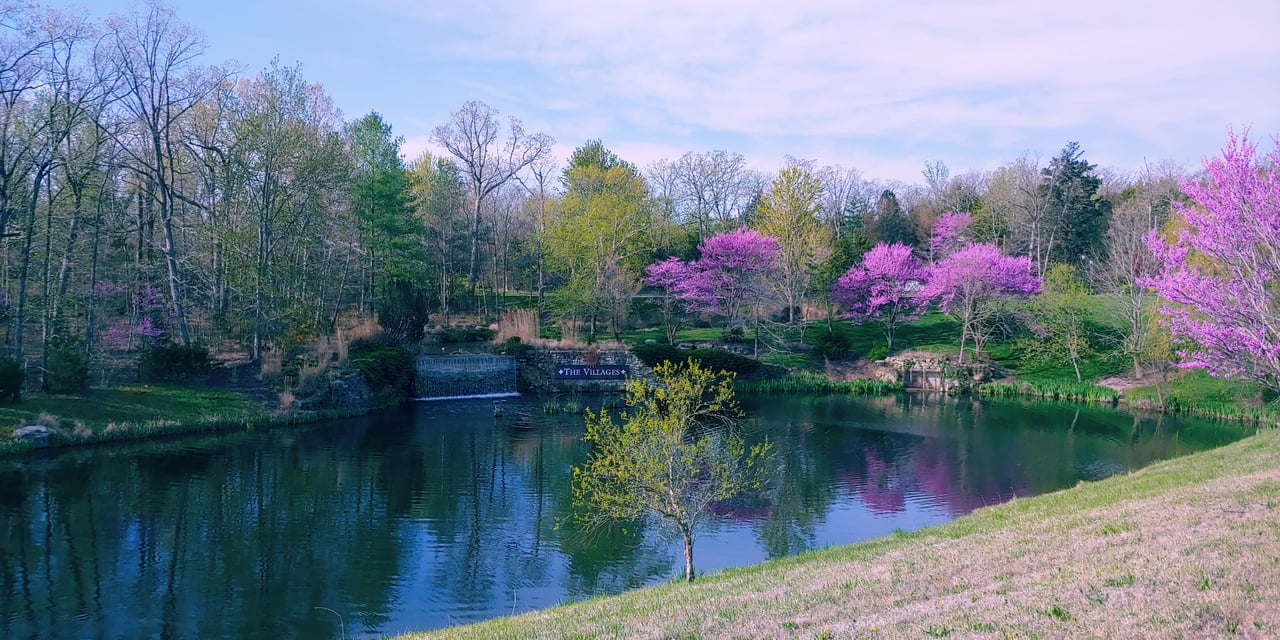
x,y
439,514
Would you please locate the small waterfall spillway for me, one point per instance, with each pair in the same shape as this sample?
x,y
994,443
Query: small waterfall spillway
x,y
464,376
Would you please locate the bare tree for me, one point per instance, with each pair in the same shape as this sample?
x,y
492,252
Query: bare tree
x,y
488,158
538,184
22,46
1014,191
1142,206
715,188
842,190
155,55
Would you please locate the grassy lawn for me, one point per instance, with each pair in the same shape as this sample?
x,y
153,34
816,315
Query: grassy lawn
x,y
104,411
1185,548
1196,391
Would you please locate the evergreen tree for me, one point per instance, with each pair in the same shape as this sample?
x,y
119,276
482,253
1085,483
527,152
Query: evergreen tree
x,y
1080,214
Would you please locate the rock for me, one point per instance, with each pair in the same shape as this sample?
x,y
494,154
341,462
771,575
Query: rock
x,y
37,434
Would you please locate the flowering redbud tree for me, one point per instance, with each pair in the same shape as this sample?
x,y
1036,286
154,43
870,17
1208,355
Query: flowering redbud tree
x,y
949,234
1220,275
881,288
732,273
668,276
970,283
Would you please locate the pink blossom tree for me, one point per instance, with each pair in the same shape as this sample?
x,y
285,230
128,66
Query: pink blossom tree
x,y
668,277
950,233
881,288
970,283
731,274
1220,274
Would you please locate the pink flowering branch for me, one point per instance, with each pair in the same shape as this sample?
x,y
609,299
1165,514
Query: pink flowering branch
x,y
1220,274
882,288
969,283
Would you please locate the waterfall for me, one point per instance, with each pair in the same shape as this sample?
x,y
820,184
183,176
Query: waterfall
x,y
469,376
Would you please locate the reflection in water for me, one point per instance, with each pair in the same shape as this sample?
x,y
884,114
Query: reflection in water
x,y
440,514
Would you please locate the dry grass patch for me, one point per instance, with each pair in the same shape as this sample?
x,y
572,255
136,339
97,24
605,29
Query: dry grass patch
x,y
1186,548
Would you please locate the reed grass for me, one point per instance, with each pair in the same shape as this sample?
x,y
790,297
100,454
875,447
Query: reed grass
x,y
809,382
1051,390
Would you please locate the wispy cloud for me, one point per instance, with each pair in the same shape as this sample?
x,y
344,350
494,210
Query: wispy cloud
x,y
888,83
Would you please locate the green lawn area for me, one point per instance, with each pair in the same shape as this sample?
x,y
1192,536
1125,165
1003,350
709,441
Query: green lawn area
x,y
1185,548
133,407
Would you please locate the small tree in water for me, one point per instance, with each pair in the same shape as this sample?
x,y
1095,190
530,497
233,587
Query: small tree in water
x,y
673,454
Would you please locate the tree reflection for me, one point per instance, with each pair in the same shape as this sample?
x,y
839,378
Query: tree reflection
x,y
440,514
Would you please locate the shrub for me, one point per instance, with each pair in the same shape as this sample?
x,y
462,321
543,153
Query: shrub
x,y
385,366
514,346
832,344
736,335
65,371
878,352
402,311
169,361
467,334
12,376
714,359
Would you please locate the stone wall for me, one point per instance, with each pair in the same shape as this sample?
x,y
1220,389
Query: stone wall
x,y
538,371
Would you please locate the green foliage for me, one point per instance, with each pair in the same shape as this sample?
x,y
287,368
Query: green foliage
x,y
381,192
12,375
602,239
878,352
832,343
1061,321
1053,390
714,359
513,346
65,370
1070,190
1195,391
402,312
733,335
933,332
387,367
673,454
170,361
810,382
459,335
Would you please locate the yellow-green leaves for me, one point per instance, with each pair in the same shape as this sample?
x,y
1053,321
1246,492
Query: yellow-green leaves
x,y
673,453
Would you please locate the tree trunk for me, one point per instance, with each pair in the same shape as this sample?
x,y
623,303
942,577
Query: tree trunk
x,y
475,250
688,555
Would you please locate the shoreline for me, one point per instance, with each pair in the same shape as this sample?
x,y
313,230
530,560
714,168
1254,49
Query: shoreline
x,y
158,430
1185,547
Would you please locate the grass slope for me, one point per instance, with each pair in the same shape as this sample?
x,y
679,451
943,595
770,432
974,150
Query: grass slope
x,y
1185,548
131,412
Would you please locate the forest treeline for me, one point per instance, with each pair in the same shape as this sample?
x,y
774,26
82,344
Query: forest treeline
x,y
152,201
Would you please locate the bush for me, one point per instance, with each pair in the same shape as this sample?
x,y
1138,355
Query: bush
x,y
467,334
832,344
12,376
878,351
513,346
387,367
65,371
714,359
402,312
169,361
735,335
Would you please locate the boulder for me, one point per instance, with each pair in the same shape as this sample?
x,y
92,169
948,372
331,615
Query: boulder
x,y
37,434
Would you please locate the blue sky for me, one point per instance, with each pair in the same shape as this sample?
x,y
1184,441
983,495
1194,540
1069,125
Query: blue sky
x,y
878,86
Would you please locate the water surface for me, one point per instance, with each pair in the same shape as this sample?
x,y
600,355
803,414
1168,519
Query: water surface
x,y
441,514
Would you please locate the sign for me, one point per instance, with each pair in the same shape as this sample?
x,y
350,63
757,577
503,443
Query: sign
x,y
591,372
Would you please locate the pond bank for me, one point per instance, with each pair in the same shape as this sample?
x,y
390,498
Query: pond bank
x,y
145,412
1186,547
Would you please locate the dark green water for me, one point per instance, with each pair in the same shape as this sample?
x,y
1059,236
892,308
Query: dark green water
x,y
439,514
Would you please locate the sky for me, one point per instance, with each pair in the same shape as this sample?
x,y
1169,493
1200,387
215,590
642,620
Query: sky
x,y
883,87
